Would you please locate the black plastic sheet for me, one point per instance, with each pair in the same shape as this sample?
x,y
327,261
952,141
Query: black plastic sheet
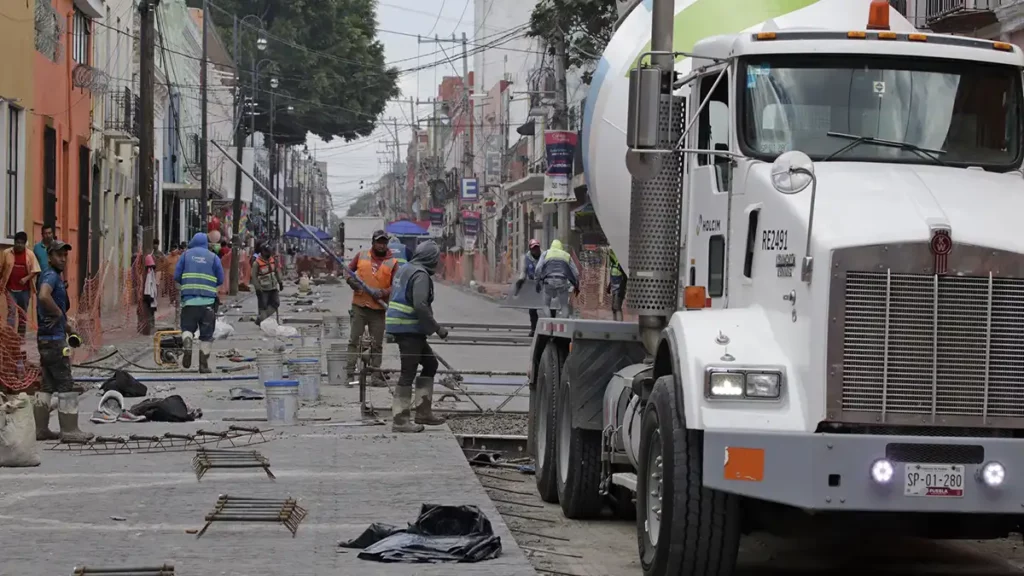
x,y
440,534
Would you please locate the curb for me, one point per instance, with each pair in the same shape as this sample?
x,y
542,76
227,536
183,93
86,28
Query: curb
x,y
465,289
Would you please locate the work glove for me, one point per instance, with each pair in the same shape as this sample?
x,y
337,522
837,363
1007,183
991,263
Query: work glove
x,y
442,332
608,289
519,285
74,340
377,294
538,287
576,290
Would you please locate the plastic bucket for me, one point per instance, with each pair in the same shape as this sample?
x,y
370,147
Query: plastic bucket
x,y
336,368
332,327
310,336
307,372
270,366
282,402
306,352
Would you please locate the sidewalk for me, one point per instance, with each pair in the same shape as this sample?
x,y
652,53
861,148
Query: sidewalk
x,y
135,509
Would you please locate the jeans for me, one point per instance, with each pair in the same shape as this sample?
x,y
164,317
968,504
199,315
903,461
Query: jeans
x,y
200,318
18,314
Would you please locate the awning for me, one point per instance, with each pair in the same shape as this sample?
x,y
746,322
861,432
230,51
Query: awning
x,y
531,183
405,228
189,191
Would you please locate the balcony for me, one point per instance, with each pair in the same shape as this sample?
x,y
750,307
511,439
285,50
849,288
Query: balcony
x,y
959,16
900,6
123,115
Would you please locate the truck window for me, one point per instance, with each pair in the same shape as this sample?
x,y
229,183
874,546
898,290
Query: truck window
x,y
748,257
713,125
716,266
971,110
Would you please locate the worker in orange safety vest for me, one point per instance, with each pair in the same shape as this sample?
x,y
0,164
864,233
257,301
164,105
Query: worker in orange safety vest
x,y
375,268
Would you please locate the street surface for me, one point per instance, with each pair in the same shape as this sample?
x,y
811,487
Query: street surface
x,y
143,509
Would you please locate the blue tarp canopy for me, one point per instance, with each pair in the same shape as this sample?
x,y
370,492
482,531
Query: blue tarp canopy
x,y
301,234
405,228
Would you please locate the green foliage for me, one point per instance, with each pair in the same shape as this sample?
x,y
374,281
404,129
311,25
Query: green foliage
x,y
339,90
362,205
586,25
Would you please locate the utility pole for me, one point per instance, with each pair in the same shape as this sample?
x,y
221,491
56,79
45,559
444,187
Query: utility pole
x,y
559,121
236,204
147,76
204,143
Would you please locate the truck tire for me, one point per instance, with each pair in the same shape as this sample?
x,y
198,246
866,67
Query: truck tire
x,y
546,461
682,527
579,461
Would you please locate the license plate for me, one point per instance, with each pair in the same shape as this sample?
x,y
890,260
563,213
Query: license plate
x,y
934,480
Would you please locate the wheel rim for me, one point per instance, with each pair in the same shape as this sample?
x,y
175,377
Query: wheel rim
x,y
564,437
655,474
543,415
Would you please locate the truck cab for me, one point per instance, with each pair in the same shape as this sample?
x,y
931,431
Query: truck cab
x,y
850,325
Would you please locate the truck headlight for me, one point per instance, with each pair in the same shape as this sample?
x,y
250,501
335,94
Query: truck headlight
x,y
743,384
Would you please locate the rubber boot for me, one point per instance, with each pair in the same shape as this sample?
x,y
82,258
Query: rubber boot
x,y
41,411
186,343
425,402
67,417
204,357
400,415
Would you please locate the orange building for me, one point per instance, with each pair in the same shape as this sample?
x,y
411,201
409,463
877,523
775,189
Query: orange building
x,y
60,126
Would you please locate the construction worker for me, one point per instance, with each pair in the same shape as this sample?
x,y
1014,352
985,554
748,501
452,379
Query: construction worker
x,y
55,337
528,271
375,268
398,251
199,272
268,283
410,319
555,273
616,285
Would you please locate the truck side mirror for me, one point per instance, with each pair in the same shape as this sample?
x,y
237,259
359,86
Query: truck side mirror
x,y
792,172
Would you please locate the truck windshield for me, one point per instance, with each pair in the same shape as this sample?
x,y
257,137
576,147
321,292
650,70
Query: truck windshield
x,y
969,110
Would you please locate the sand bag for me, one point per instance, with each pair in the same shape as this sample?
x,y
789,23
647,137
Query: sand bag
x,y
17,432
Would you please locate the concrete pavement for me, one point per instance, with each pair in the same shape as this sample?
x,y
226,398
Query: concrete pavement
x,y
135,510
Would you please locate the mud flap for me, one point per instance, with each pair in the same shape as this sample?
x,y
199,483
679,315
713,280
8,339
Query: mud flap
x,y
590,366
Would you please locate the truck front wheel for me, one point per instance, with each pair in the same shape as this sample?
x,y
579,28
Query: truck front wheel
x,y
549,372
683,528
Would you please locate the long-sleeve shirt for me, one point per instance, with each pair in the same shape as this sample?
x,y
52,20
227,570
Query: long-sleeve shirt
x,y
557,268
526,271
421,291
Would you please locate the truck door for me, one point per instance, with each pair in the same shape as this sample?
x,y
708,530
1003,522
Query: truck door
x,y
709,181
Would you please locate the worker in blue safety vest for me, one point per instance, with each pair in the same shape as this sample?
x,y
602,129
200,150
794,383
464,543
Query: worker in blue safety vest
x,y
616,285
556,272
398,251
410,319
528,271
199,273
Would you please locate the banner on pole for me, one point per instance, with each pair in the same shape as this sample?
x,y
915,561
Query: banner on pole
x,y
559,151
436,222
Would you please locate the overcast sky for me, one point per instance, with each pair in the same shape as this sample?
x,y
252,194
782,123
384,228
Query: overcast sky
x,y
348,163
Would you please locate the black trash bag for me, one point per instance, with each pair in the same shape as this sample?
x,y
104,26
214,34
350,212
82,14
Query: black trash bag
x,y
440,534
170,409
126,384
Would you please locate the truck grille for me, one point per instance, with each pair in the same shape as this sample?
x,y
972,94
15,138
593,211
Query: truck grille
x,y
941,346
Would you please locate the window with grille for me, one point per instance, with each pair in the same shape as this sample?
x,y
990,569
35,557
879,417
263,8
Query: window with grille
x,y
14,154
80,37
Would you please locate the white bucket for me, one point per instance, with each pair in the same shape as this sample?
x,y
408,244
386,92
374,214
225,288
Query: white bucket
x,y
282,402
332,327
270,366
307,372
310,336
306,352
336,368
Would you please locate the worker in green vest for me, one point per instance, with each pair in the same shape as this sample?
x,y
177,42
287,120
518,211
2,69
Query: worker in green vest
x,y
616,285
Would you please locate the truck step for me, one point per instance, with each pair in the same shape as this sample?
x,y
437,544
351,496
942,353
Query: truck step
x,y
625,479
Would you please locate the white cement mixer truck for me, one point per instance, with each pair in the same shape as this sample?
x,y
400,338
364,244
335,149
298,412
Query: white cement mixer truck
x,y
820,218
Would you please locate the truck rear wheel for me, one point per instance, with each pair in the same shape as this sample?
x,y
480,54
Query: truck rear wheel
x,y
682,527
579,461
545,422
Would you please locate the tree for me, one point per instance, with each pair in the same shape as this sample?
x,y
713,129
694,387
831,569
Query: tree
x,y
362,206
586,25
326,57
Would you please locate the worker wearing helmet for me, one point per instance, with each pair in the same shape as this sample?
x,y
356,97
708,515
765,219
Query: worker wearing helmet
x,y
556,272
528,271
410,320
375,268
